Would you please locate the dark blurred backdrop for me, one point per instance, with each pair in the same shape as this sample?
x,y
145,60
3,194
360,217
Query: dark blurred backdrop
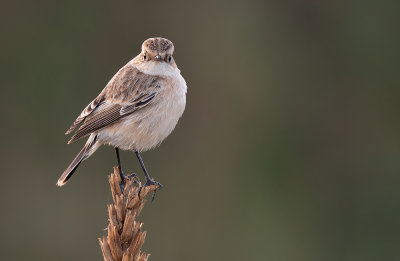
x,y
288,149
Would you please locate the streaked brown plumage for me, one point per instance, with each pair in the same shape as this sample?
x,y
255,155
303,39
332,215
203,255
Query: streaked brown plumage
x,y
137,109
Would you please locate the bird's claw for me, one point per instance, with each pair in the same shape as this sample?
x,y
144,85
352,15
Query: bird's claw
x,y
123,183
150,182
133,175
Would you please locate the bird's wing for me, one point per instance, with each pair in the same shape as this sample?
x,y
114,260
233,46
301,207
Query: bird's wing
x,y
128,91
86,112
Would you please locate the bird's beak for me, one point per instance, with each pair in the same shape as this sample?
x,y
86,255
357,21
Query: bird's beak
x,y
157,57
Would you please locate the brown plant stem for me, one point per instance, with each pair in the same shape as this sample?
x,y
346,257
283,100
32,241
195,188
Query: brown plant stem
x,y
124,238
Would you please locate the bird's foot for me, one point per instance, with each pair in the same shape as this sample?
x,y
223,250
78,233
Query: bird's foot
x,y
124,177
150,182
133,175
122,185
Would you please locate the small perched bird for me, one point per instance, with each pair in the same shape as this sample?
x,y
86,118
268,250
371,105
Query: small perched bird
x,y
136,111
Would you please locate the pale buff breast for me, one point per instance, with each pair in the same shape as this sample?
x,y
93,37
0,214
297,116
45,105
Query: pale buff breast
x,y
148,127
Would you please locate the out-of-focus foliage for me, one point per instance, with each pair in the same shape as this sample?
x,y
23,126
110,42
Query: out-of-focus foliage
x,y
288,149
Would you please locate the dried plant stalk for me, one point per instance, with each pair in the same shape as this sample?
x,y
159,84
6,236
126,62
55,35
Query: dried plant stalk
x,y
124,238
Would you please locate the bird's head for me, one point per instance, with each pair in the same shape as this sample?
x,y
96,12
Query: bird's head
x,y
157,49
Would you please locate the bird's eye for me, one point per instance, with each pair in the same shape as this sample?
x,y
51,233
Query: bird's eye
x,y
144,57
170,58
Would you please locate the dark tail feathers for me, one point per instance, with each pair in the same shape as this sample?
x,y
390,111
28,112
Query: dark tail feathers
x,y
86,151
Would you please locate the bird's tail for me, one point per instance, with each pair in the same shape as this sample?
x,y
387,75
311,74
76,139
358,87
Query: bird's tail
x,y
87,150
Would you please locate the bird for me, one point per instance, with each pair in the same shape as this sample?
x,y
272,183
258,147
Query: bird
x,y
138,108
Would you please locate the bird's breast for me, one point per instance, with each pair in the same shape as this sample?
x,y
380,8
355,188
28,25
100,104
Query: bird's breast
x,y
149,126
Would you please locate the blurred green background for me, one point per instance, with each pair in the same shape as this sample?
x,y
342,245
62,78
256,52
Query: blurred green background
x,y
288,149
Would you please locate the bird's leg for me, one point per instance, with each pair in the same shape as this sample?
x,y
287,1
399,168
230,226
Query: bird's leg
x,y
149,181
119,164
121,173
